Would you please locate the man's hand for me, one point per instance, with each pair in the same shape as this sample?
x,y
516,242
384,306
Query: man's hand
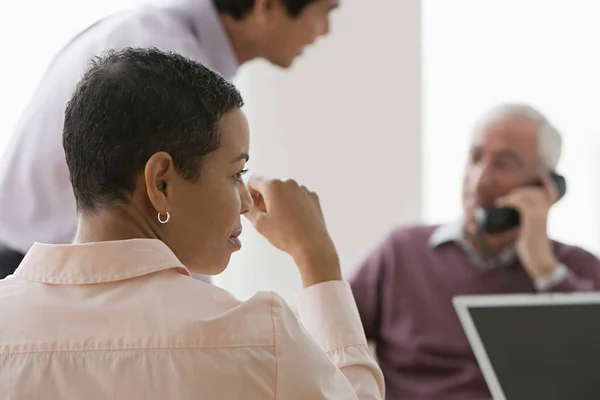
x,y
290,217
533,246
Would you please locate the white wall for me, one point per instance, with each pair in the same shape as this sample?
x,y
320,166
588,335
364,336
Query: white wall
x,y
345,121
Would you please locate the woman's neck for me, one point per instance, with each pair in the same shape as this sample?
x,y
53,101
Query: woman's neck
x,y
114,224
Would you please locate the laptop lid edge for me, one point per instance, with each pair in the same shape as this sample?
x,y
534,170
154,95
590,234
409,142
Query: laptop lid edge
x,y
462,309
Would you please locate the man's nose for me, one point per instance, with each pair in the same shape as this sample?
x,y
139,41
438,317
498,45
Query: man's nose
x,y
482,176
323,28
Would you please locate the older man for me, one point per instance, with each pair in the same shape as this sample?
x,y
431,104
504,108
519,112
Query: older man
x,y
36,199
404,288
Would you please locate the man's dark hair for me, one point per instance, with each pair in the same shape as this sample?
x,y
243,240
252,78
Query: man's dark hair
x,y
131,104
239,8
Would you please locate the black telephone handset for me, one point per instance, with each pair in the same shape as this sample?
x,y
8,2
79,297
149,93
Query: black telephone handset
x,y
499,219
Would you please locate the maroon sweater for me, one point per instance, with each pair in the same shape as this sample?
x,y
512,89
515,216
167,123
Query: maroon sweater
x,y
404,294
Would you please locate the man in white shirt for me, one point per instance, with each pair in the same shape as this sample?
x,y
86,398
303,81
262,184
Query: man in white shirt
x,y
36,199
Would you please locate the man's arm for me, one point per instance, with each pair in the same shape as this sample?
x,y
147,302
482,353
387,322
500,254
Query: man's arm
x,y
577,271
327,356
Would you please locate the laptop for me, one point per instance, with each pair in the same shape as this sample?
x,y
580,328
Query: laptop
x,y
535,346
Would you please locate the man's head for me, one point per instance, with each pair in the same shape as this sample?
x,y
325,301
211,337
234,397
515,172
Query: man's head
x,y
148,132
277,30
512,144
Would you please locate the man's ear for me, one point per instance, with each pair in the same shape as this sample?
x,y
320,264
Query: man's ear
x,y
262,9
158,175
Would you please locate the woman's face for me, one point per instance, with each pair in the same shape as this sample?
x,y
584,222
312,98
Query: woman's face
x,y
205,215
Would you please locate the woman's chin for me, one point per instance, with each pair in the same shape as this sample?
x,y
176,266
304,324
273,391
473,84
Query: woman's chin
x,y
212,269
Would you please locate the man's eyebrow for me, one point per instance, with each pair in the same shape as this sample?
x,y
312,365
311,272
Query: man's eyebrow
x,y
509,154
243,156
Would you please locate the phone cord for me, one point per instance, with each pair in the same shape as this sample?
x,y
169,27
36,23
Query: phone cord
x,y
496,264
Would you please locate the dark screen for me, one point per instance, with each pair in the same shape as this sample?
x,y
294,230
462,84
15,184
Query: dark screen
x,y
543,352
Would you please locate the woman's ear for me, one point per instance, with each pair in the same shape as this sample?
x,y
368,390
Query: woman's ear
x,y
158,175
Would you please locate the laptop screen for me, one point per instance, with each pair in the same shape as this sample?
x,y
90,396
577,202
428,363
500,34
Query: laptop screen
x,y
543,352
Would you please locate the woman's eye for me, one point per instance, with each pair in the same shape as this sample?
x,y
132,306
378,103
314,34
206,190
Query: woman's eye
x,y
240,174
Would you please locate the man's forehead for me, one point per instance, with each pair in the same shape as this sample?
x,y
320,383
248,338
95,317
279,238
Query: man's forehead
x,y
506,147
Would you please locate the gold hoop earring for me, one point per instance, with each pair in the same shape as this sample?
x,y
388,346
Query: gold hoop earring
x,y
167,217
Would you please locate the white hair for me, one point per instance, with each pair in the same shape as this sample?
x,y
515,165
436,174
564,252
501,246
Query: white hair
x,y
549,140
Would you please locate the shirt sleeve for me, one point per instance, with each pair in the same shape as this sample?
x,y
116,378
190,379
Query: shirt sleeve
x,y
579,271
325,356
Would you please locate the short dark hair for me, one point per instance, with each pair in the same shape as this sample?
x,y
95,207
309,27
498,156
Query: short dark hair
x,y
239,8
131,104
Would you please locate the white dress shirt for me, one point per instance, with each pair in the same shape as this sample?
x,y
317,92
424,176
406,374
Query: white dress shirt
x,y
36,197
124,320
